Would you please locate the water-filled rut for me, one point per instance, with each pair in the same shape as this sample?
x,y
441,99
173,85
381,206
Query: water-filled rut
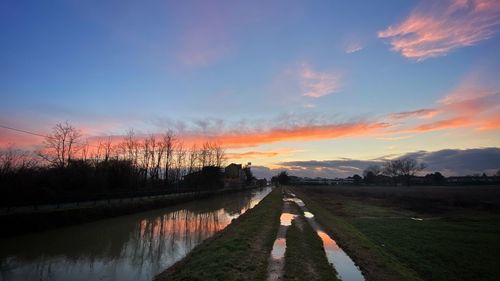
x,y
343,264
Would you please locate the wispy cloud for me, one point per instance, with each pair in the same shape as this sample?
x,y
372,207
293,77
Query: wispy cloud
x,y
436,28
424,113
353,47
317,84
477,108
270,153
456,122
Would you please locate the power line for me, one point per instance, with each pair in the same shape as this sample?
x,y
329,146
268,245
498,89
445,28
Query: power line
x,y
46,136
23,131
38,135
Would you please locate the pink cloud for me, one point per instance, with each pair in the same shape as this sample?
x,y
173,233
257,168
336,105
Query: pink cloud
x,y
436,28
317,84
471,104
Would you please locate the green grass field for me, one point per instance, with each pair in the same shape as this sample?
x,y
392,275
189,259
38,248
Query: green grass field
x,y
453,242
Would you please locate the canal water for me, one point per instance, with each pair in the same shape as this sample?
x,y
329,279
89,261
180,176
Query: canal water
x,y
132,247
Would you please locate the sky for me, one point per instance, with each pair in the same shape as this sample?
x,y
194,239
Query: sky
x,y
281,84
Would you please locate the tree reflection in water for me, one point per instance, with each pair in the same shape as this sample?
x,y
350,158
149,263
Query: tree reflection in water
x,y
133,247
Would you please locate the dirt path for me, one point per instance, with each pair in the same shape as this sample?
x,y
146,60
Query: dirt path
x,y
276,266
305,256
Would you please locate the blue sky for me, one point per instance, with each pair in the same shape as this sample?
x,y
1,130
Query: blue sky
x,y
250,68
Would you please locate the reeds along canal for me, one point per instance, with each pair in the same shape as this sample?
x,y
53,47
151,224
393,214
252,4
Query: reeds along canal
x,y
132,247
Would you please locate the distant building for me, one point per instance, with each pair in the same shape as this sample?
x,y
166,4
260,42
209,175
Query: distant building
x,y
234,176
320,181
210,177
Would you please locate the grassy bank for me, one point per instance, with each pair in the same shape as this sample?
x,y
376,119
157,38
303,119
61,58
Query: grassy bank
x,y
458,238
22,223
239,252
305,257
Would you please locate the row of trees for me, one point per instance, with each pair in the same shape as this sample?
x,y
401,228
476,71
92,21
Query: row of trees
x,y
398,170
67,164
155,157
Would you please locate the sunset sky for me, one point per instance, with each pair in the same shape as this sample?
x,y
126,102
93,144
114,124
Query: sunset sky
x,y
318,87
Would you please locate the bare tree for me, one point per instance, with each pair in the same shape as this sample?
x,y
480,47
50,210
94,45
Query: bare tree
x,y
61,145
12,160
404,168
168,142
371,173
193,159
130,147
180,163
106,147
220,155
375,170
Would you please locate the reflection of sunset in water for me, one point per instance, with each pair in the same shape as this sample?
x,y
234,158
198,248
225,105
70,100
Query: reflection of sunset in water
x,y
328,242
133,247
279,248
184,222
286,219
343,264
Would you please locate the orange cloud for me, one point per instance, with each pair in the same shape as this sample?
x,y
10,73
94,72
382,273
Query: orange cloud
x,y
253,154
302,133
491,124
457,122
261,154
436,28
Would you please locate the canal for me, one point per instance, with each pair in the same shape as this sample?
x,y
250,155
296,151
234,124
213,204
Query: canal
x,y
132,247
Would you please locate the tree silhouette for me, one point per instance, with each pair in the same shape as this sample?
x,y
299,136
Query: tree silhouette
x,y
404,168
61,145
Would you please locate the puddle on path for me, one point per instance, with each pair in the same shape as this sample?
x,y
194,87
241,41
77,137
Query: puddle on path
x,y
346,269
343,264
296,201
276,264
279,248
286,219
308,215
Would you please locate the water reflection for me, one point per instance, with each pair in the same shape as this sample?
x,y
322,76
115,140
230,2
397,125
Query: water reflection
x,y
286,219
308,215
133,247
279,248
297,201
346,269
